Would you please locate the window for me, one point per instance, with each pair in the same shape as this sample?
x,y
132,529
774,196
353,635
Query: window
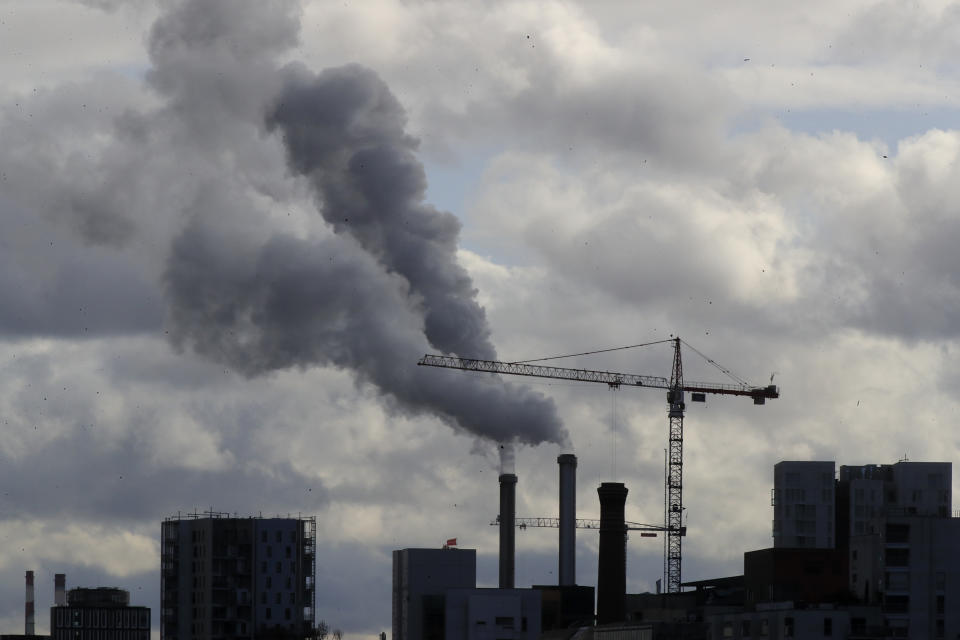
x,y
764,628
727,629
269,551
293,598
263,536
898,557
267,613
940,605
288,551
286,613
506,622
263,566
897,532
279,536
278,598
269,582
828,627
940,632
279,566
745,629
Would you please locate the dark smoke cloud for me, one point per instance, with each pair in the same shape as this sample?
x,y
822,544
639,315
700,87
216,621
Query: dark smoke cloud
x,y
371,297
298,303
345,131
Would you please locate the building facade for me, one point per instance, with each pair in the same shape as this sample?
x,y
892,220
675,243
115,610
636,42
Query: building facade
x,y
803,504
909,565
227,577
421,579
99,614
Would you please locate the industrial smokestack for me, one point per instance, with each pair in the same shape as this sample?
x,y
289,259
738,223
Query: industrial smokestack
x,y
60,589
508,515
612,567
28,627
568,517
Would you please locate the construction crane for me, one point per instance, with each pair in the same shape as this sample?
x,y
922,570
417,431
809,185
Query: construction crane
x,y
676,388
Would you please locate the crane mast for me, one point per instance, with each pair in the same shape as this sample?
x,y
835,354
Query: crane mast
x,y
674,489
676,388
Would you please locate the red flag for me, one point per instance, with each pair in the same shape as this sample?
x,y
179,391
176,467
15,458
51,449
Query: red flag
x,y
452,542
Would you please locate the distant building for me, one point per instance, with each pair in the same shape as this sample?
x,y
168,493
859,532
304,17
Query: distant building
x,y
803,504
237,578
421,578
103,613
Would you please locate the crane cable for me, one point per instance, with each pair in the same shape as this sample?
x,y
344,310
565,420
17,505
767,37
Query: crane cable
x,y
590,353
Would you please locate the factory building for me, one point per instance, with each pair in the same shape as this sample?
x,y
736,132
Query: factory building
x,y
230,577
103,613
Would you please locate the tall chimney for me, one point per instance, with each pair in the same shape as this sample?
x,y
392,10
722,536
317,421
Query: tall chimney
x,y
568,519
508,514
60,589
612,566
28,627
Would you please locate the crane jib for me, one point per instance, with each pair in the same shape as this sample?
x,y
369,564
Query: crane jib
x,y
589,375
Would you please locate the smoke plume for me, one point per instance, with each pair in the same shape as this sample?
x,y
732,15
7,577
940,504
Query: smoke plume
x,y
370,292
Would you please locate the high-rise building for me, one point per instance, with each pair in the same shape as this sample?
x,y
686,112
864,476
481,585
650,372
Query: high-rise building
x,y
803,504
103,613
421,579
239,578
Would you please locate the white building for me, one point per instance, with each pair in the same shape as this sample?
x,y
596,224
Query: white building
x,y
910,488
803,504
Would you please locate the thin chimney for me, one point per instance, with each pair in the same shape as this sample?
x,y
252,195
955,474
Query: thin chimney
x,y
508,514
568,519
29,627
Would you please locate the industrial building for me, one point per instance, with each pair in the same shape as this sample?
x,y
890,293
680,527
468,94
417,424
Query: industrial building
x,y
103,613
230,577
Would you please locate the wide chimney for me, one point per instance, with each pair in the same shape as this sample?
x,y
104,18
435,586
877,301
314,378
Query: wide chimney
x,y
60,589
29,627
612,566
508,514
567,562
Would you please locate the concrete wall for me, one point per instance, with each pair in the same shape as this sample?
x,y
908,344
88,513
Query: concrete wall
x,y
421,577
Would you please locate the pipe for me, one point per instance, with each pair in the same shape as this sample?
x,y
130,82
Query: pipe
x,y
612,564
60,589
567,561
508,514
29,627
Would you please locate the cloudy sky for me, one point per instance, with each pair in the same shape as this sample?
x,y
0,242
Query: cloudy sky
x,y
228,229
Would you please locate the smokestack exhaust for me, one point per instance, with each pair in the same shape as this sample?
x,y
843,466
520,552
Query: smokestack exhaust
x,y
612,566
567,562
508,514
60,589
29,627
